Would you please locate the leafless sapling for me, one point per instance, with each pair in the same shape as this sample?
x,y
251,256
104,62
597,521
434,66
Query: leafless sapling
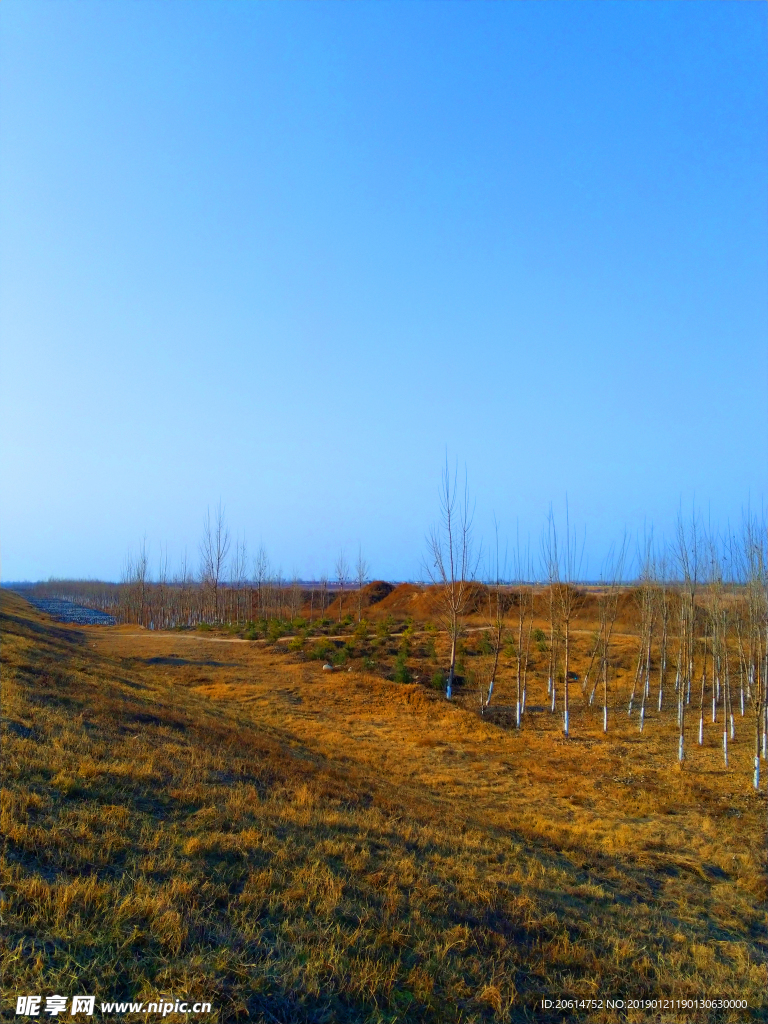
x,y
449,564
214,548
342,578
361,578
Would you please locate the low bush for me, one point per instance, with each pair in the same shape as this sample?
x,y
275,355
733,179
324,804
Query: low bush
x,y
401,673
323,649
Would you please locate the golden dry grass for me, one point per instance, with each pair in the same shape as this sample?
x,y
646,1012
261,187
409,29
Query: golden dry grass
x,y
225,821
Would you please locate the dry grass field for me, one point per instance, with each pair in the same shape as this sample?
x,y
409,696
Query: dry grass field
x,y
201,817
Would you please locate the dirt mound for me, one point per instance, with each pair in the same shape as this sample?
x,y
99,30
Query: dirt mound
x,y
421,603
377,591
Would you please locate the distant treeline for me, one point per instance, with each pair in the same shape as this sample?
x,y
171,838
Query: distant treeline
x,y
189,603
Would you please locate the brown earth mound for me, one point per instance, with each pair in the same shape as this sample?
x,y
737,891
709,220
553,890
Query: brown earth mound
x,y
377,591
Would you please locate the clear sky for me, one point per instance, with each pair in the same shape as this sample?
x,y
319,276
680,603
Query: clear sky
x,y
288,255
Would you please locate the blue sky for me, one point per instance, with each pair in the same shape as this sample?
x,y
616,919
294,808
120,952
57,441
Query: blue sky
x,y
289,255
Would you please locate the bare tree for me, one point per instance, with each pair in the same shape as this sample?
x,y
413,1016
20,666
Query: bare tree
x,y
524,595
550,563
342,578
495,617
755,570
296,596
449,563
261,578
645,593
688,558
161,619
664,611
607,606
278,591
184,585
136,576
214,548
361,577
564,570
238,579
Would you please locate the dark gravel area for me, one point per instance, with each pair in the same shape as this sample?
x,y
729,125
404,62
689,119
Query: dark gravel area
x,y
68,611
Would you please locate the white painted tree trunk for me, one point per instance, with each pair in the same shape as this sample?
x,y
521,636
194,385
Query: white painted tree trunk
x,y
638,674
451,670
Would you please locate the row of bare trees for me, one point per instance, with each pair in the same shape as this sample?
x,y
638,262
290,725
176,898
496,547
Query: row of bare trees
x,y
227,588
701,605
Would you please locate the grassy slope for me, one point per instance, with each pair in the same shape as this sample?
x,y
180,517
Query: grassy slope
x,y
301,846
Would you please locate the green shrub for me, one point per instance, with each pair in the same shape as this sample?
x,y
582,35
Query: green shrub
x,y
276,630
485,646
384,627
461,652
401,673
438,679
323,649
